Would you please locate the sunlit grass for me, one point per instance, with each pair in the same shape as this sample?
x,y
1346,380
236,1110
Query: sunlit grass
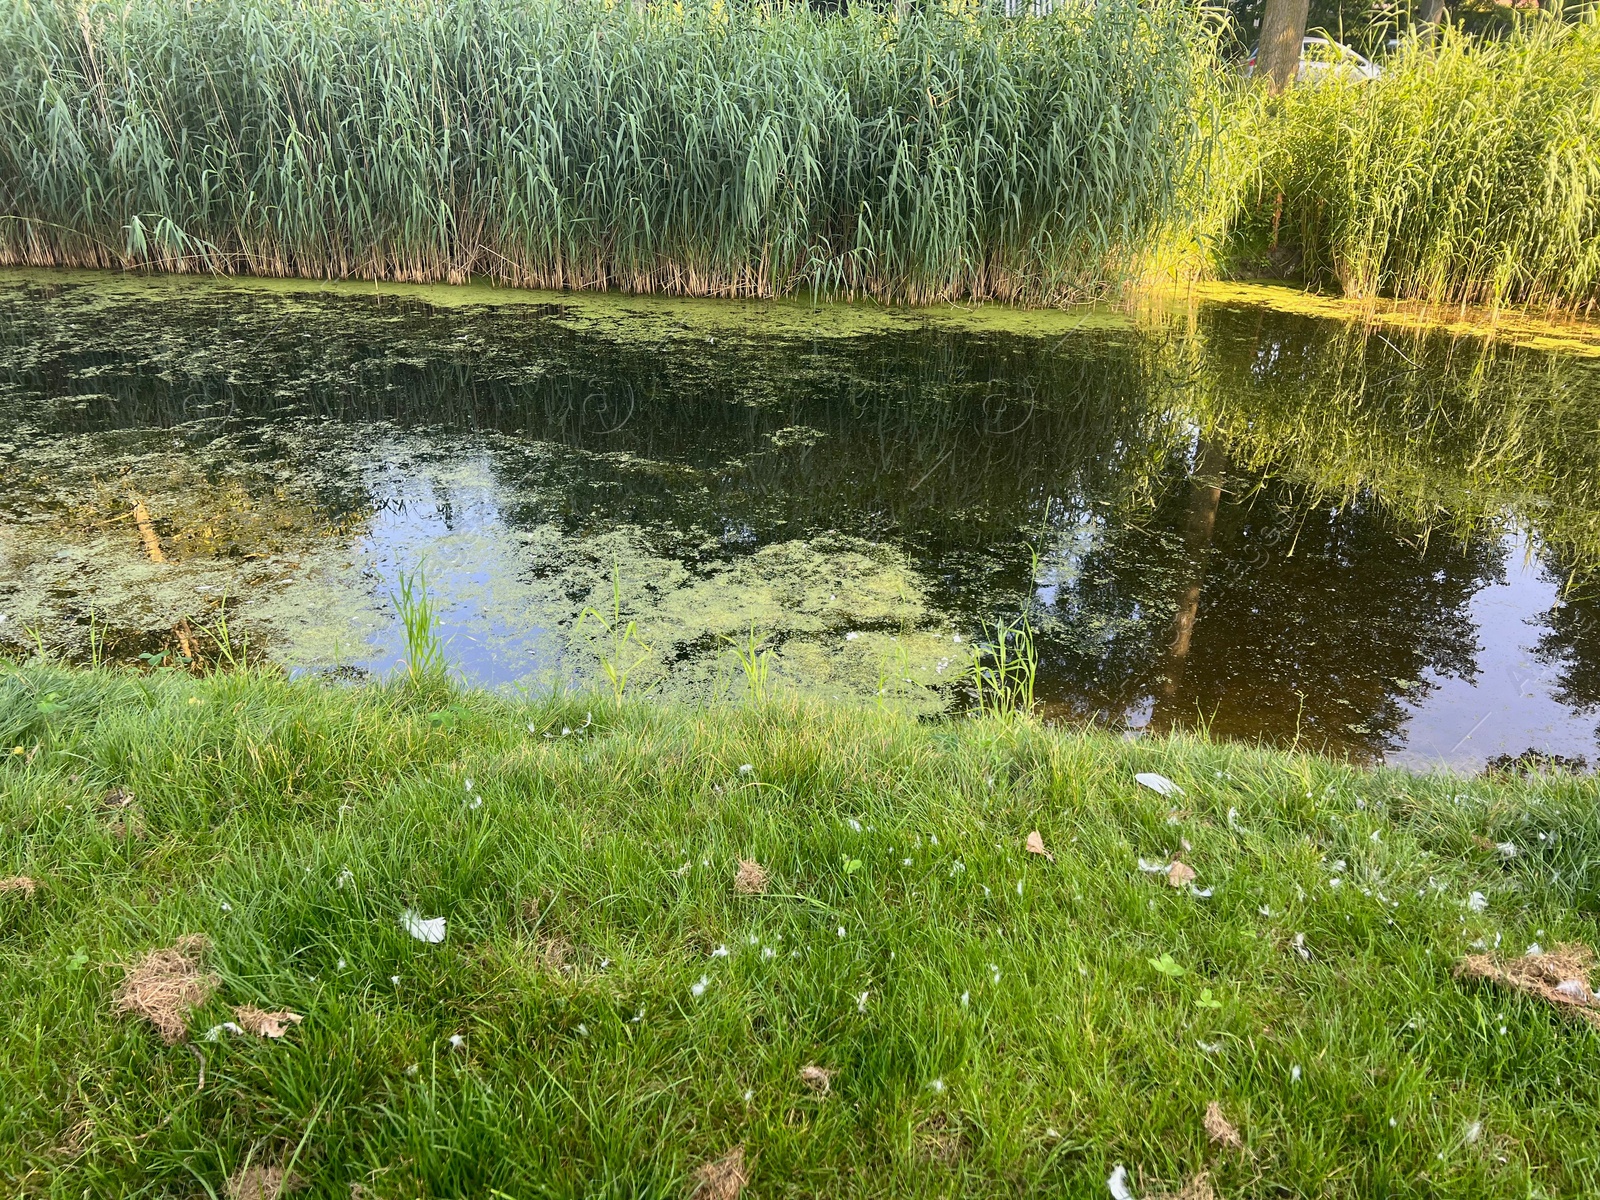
x,y
994,1021
1468,173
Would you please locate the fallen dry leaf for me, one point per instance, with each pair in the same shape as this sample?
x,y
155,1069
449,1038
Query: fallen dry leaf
x,y
266,1024
165,984
262,1183
17,883
751,878
1036,846
1179,874
1220,1130
818,1079
1551,976
723,1179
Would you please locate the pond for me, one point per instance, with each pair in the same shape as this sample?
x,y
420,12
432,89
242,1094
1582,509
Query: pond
x,y
1277,526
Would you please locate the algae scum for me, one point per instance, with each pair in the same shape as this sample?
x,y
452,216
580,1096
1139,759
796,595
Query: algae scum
x,y
1277,525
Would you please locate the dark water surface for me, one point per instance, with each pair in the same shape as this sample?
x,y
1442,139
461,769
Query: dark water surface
x,y
1281,526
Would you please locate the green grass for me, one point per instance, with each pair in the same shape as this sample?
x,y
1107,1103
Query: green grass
x,y
711,149
292,823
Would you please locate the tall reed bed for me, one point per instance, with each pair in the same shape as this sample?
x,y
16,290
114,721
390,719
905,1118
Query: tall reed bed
x,y
1468,173
690,148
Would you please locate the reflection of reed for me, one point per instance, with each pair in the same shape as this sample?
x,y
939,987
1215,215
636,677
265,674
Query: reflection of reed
x,y
1453,437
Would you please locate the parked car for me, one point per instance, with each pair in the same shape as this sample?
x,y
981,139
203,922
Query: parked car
x,y
1321,58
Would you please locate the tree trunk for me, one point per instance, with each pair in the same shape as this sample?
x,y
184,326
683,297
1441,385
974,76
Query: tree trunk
x,y
1283,27
1433,15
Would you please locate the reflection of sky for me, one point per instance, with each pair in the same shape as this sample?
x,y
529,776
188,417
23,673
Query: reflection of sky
x,y
1509,705
449,521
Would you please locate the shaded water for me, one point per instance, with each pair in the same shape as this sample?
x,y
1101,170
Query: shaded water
x,y
1283,527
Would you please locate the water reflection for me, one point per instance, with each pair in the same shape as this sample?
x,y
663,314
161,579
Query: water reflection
x,y
1280,527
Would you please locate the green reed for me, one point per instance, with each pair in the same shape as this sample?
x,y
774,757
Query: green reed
x,y
419,619
704,149
1468,173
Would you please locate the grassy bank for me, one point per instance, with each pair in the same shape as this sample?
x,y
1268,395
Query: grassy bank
x,y
1467,173
992,1021
713,150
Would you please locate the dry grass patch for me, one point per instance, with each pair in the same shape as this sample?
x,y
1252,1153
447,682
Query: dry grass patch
x,y
723,1179
165,985
1559,977
1220,1130
262,1183
751,878
17,885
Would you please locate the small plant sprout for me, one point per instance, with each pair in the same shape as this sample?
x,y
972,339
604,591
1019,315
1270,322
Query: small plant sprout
x,y
617,645
1207,1000
1167,965
755,660
851,865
